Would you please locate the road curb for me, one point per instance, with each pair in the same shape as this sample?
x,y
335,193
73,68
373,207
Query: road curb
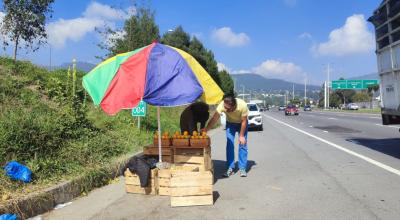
x,y
38,203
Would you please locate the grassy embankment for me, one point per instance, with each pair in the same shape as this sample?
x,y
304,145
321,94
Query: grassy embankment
x,y
48,123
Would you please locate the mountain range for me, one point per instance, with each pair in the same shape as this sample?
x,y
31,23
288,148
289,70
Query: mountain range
x,y
82,66
252,81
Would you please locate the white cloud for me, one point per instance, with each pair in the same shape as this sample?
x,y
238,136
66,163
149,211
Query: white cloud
x,y
305,35
275,69
97,10
290,3
96,15
352,38
279,70
73,29
226,36
222,66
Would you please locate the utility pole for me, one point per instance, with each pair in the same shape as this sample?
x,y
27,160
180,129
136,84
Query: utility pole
x,y
50,57
293,92
305,91
325,95
328,91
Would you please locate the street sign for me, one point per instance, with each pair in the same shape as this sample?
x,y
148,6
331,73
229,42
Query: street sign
x,y
339,84
353,84
139,110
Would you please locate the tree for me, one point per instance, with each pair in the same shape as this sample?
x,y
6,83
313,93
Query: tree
x,y
226,82
24,23
177,38
139,30
361,97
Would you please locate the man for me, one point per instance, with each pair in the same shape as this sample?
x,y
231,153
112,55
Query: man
x,y
236,112
192,115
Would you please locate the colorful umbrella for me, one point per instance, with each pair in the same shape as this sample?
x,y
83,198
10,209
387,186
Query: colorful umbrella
x,y
158,74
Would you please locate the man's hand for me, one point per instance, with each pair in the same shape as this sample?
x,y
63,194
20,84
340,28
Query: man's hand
x,y
242,140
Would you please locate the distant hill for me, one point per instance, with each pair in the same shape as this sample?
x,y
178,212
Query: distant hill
x,y
367,76
256,82
83,66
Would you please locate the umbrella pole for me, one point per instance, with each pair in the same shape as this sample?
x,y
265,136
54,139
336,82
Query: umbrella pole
x,y
159,135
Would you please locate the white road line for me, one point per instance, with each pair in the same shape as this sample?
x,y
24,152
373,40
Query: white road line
x,y
333,118
375,117
388,126
325,131
369,160
311,126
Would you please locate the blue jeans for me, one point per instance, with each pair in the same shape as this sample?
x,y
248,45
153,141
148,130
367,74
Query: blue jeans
x,y
231,129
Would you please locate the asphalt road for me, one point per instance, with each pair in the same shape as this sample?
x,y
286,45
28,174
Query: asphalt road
x,y
317,165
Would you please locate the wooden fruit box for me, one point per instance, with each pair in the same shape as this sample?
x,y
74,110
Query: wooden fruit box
x,y
181,142
164,176
204,142
191,188
167,153
165,142
194,157
132,183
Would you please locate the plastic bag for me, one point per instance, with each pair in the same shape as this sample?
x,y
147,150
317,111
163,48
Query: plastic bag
x,y
17,171
8,217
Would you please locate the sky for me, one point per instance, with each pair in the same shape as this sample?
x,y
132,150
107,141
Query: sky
x,y
292,40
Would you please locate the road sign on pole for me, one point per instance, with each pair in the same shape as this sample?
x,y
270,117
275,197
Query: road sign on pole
x,y
353,84
140,110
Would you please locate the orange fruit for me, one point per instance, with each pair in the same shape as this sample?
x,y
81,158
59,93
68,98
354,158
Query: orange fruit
x,y
185,133
194,133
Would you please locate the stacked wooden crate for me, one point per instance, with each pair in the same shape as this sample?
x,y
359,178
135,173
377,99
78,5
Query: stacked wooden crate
x,y
191,188
197,157
166,152
164,177
132,183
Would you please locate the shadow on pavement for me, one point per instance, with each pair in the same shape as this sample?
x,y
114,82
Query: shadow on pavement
x,y
388,146
215,196
220,168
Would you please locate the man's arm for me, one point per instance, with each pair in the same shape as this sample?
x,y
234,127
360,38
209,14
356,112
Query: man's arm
x,y
212,122
243,126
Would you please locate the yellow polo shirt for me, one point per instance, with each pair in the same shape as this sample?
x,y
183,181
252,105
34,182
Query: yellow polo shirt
x,y
235,116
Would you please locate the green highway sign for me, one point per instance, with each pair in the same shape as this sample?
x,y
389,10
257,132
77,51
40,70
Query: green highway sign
x,y
353,84
139,110
339,84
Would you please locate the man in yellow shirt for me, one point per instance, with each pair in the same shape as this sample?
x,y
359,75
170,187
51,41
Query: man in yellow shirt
x,y
236,112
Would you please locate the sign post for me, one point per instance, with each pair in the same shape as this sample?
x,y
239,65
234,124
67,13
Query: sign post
x,y
139,111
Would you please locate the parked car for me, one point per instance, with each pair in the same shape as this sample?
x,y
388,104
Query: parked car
x,y
291,110
307,108
255,119
352,106
281,108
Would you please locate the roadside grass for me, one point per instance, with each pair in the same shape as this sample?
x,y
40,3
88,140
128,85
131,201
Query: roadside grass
x,y
59,134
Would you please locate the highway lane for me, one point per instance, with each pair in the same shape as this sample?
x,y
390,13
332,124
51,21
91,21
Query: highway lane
x,y
359,132
291,176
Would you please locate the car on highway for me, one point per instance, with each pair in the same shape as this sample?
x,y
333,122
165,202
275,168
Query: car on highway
x,y
255,119
291,110
352,106
307,108
281,108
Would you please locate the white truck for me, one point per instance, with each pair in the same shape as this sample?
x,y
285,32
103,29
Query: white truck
x,y
386,19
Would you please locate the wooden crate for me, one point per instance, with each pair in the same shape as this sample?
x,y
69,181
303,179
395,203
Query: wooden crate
x,y
191,188
193,157
204,142
181,142
167,153
132,183
164,176
164,142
